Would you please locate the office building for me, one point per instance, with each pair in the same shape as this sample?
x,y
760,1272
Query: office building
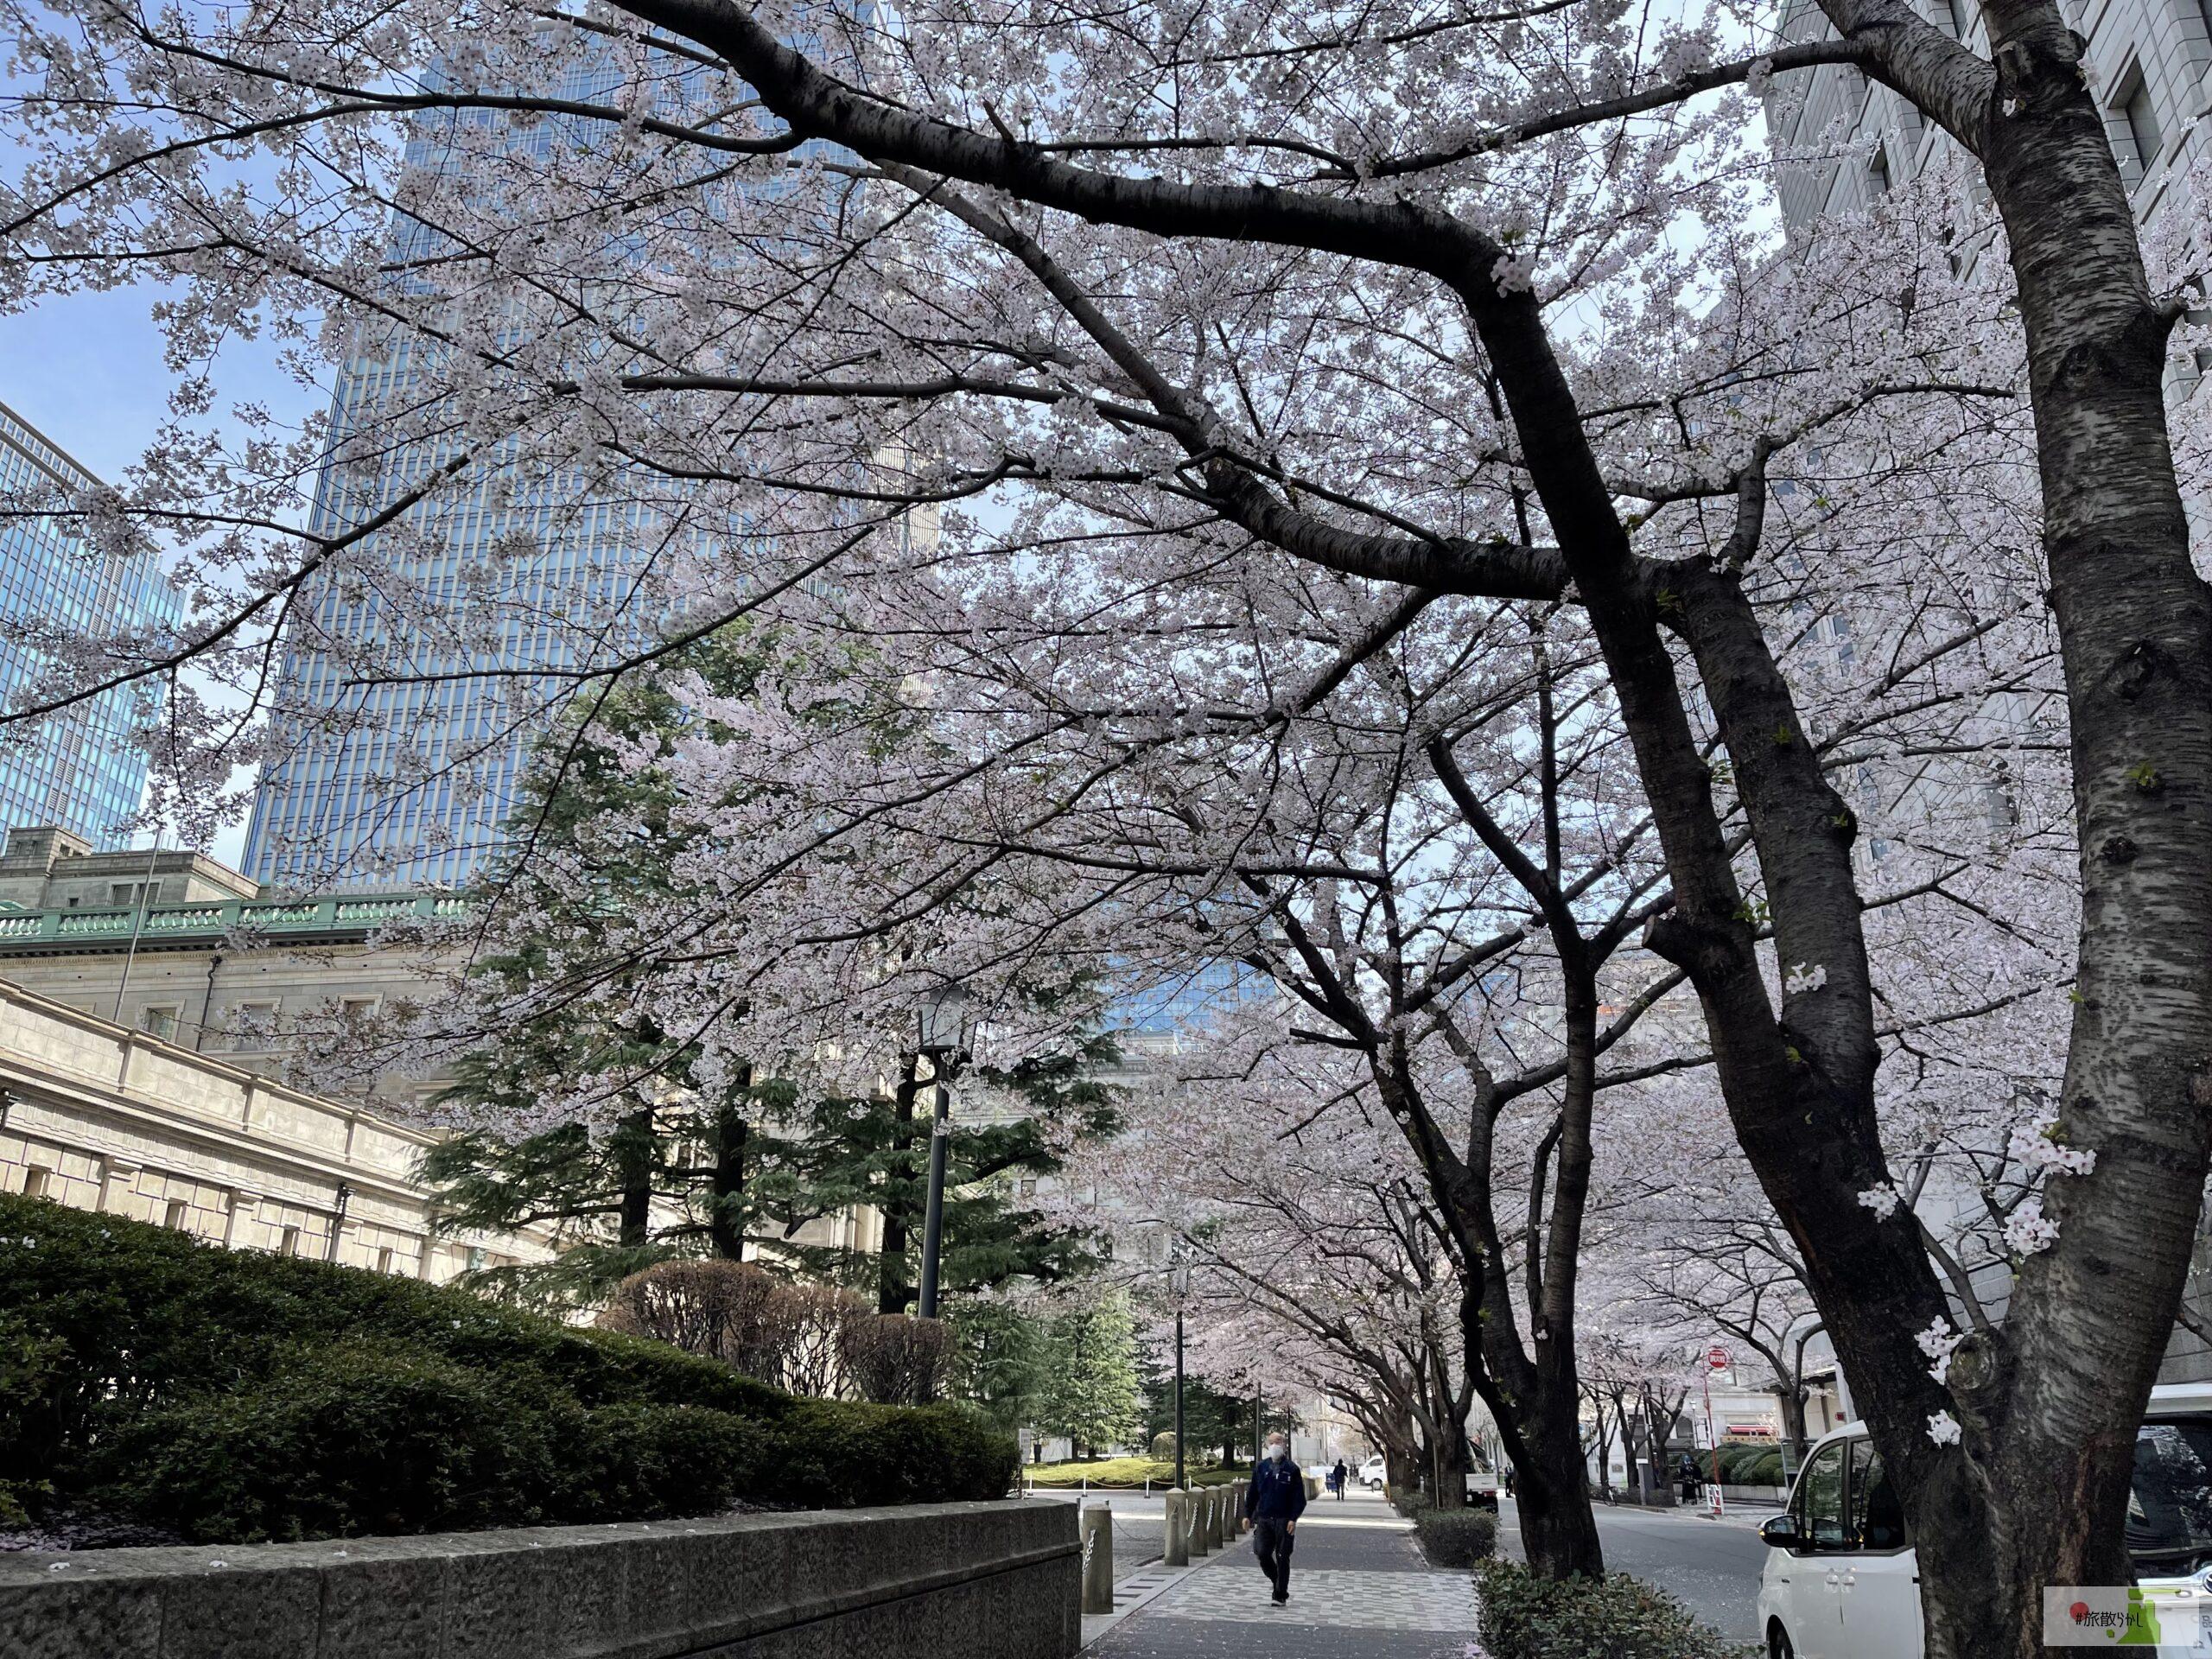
x,y
408,704
81,768
2148,64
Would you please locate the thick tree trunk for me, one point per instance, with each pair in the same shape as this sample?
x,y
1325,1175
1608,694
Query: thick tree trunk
x,y
1400,1468
1551,1490
1448,1465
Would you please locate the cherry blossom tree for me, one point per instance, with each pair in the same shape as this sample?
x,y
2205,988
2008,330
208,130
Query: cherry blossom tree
x,y
1305,323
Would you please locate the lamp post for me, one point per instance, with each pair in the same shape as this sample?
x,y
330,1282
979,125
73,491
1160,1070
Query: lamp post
x,y
1179,1283
945,1035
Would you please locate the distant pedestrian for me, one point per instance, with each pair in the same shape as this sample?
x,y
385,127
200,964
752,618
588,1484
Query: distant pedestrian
x,y
1272,1503
1339,1477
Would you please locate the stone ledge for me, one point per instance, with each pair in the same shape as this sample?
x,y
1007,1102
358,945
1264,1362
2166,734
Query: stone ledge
x,y
996,1580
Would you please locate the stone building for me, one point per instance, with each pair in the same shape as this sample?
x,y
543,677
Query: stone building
x,y
178,947
183,948
105,1117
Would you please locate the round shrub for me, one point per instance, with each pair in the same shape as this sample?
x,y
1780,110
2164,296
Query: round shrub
x,y
1527,1616
351,1438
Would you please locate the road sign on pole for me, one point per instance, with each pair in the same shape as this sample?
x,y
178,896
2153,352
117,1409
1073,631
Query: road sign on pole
x,y
1717,1358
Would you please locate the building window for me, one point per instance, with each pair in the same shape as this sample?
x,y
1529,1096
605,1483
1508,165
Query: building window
x,y
354,1009
289,1245
173,1217
252,1025
38,1181
384,1258
159,1020
1878,172
2139,120
120,893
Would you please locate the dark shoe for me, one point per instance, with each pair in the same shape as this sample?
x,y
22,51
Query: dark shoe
x,y
1282,1596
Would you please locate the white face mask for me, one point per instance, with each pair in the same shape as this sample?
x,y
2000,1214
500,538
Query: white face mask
x,y
1275,1448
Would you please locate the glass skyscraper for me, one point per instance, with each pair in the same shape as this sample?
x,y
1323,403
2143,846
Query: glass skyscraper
x,y
402,770
81,769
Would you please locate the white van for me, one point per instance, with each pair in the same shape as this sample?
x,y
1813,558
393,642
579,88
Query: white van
x,y
1841,1581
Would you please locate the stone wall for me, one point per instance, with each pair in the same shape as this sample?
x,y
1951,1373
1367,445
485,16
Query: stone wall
x,y
103,1118
995,1581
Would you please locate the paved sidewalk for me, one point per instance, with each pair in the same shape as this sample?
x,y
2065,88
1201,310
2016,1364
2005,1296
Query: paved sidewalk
x,y
1358,1590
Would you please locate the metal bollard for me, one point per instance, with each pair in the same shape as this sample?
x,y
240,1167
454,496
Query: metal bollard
x,y
1221,1533
1177,1552
1096,1528
1200,1536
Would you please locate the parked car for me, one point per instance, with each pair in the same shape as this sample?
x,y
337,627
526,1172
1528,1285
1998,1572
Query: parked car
x,y
1841,1581
1483,1488
1482,1484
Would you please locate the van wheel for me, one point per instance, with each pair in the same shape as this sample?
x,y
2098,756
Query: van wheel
x,y
1777,1642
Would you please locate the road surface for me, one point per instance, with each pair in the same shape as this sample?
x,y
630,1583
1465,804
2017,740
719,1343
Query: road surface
x,y
1711,1567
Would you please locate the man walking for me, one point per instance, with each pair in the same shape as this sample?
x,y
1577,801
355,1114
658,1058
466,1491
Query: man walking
x,y
1272,1503
1339,1477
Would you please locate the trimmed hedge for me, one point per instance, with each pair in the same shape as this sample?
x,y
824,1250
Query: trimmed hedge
x,y
1525,1616
1456,1537
235,1396
1130,1472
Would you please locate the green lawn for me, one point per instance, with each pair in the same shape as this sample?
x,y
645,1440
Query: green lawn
x,y
1118,1472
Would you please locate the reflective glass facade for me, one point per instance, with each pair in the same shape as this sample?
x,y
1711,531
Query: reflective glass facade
x,y
80,769
406,776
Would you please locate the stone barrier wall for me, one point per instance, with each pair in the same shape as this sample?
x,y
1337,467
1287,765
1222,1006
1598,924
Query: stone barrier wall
x,y
998,1580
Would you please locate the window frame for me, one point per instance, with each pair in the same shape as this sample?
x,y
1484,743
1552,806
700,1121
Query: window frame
x,y
1808,1543
1862,1453
2131,91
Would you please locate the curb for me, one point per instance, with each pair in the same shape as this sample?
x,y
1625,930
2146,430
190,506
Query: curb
x,y
1143,1587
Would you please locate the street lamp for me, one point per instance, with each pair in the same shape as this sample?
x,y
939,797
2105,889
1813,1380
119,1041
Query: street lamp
x,y
1179,1281
945,1035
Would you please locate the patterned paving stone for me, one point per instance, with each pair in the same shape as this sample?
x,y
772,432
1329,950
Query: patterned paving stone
x,y
1236,1592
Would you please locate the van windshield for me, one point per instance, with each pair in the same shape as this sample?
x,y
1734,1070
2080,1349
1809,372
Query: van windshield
x,y
2169,1511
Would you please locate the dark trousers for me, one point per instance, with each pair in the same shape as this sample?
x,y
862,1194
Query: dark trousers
x,y
1272,1542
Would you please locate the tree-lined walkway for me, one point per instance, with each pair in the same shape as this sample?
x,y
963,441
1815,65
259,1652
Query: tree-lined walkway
x,y
1358,1590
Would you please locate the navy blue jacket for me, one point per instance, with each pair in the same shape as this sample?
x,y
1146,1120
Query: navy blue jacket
x,y
1277,1491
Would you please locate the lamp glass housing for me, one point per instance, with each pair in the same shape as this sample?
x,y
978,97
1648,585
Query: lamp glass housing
x,y
944,1027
